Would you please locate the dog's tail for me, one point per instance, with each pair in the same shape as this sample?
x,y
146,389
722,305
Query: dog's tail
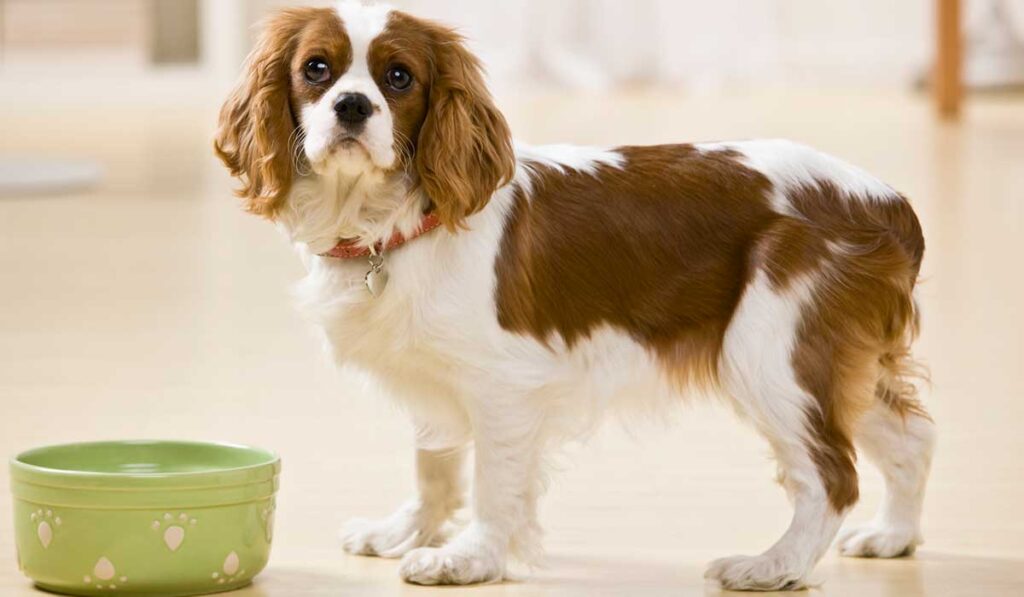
x,y
900,374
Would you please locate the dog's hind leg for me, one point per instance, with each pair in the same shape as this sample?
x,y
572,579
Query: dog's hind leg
x,y
759,369
898,437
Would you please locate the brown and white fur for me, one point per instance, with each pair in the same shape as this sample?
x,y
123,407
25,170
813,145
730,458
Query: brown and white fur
x,y
570,281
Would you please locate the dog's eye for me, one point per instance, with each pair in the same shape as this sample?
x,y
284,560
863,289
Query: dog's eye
x,y
398,78
316,71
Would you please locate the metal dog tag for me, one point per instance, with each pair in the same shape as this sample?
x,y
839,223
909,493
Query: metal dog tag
x,y
376,279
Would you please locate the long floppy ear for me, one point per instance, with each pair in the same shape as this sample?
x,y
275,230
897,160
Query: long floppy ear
x,y
256,122
464,151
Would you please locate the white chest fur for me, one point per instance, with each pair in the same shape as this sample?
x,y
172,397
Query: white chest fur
x,y
431,336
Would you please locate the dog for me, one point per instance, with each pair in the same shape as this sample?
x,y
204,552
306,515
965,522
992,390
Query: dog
x,y
507,295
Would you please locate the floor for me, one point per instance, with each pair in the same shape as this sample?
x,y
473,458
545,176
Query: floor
x,y
153,307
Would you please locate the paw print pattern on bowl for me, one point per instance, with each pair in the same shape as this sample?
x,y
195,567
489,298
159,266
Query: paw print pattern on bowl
x,y
174,529
104,576
45,522
142,517
229,571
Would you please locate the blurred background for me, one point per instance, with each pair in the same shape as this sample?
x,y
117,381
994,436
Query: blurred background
x,y
574,44
137,300
185,54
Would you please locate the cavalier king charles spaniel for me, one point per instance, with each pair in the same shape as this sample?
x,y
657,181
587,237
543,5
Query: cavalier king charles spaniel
x,y
507,295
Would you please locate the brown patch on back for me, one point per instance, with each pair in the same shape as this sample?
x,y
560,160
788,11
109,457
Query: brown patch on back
x,y
659,250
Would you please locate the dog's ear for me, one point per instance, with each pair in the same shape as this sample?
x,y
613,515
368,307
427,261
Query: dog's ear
x,y
464,151
256,122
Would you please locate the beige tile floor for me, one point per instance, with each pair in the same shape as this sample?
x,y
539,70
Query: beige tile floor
x,y
152,307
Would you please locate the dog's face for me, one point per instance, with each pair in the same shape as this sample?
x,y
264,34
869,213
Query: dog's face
x,y
359,99
360,89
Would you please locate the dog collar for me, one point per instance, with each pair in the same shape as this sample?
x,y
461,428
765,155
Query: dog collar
x,y
351,249
376,278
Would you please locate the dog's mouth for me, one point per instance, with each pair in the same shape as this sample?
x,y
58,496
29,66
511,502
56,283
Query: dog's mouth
x,y
348,142
346,153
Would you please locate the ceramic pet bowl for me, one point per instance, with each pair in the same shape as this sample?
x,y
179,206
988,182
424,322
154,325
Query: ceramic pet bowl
x,y
143,518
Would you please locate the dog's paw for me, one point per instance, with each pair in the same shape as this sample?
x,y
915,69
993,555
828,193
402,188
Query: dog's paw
x,y
470,558
878,541
766,572
446,566
394,536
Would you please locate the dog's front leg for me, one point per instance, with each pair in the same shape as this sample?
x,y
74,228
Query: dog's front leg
x,y
507,484
420,521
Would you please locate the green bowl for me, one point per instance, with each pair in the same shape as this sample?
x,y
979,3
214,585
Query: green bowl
x,y
143,517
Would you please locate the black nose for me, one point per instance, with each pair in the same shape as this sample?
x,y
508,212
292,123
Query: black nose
x,y
353,108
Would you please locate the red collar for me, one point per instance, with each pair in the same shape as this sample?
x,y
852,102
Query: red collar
x,y
351,249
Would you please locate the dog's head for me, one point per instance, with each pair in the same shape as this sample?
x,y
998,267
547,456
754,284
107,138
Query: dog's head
x,y
357,89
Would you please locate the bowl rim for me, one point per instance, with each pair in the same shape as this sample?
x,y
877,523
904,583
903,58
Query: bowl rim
x,y
266,469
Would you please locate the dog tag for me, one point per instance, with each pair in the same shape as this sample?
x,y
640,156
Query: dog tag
x,y
377,278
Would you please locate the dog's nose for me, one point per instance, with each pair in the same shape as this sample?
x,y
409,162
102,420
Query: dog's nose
x,y
353,108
